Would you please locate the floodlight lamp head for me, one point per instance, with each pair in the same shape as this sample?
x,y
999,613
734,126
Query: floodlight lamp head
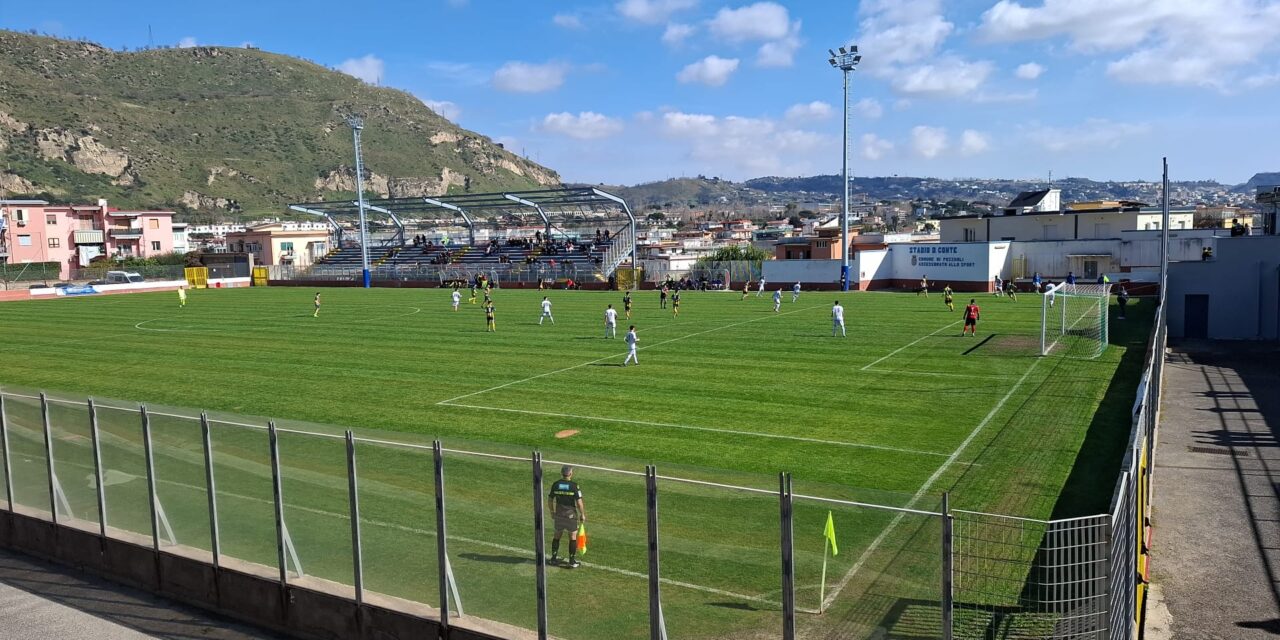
x,y
832,61
841,50
355,122
832,52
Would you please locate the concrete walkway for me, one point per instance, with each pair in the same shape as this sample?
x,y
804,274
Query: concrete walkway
x,y
1216,518
41,600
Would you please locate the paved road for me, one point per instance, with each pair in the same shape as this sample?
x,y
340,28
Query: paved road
x,y
1216,520
40,600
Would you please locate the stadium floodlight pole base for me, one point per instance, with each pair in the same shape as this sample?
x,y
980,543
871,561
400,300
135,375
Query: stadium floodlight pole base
x,y
366,278
844,277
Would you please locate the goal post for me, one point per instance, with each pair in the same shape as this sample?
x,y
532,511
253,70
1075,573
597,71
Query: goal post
x,y
1073,319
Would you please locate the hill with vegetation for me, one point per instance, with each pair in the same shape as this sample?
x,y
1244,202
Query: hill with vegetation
x,y
212,131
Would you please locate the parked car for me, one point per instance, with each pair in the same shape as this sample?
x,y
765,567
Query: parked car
x,y
123,277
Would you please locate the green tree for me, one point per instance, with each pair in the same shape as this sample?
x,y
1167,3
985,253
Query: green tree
x,y
795,221
657,216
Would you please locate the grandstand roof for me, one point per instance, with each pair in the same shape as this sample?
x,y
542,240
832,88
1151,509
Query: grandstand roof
x,y
555,202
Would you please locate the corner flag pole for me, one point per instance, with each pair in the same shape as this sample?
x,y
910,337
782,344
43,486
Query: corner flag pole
x,y
828,541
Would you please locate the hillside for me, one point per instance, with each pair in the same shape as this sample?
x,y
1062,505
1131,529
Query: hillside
x,y
214,130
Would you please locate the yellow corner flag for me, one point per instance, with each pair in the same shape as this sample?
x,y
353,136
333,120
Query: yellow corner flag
x,y
829,532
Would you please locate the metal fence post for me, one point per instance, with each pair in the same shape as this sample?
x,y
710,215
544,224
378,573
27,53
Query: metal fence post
x,y
151,477
657,626
4,440
95,442
442,542
357,561
539,546
48,455
278,499
215,543
947,568
788,558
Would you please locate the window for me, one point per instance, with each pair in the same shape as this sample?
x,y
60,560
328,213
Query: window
x,y
54,243
51,218
153,223
286,246
24,241
21,216
155,245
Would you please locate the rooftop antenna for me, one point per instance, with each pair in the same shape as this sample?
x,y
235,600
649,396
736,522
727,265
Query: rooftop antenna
x,y
1051,178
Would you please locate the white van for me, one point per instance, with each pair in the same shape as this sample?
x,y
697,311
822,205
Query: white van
x,y
123,277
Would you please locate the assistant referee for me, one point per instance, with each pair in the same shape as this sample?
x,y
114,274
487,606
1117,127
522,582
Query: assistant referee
x,y
567,512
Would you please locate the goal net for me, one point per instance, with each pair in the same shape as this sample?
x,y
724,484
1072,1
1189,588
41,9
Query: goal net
x,y
1073,320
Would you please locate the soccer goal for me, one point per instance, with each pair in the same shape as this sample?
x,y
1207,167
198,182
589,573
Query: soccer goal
x,y
1073,320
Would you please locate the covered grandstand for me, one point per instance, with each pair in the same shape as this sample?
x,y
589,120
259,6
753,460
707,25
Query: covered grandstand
x,y
578,233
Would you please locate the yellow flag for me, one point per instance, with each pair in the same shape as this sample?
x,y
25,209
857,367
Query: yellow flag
x,y
829,532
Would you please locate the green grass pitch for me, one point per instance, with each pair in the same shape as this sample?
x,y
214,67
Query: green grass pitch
x,y
898,412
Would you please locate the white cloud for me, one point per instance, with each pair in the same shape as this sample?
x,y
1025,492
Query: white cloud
x,y
868,108
527,77
676,33
747,146
652,11
462,73
1094,133
1177,42
1029,71
567,21
587,125
903,44
712,71
874,147
444,108
928,142
816,110
781,53
187,42
945,77
973,142
759,21
368,68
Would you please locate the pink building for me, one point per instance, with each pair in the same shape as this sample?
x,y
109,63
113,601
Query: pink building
x,y
73,235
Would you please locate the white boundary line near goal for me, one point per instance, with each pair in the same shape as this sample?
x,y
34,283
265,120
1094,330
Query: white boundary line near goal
x,y
609,357
909,345
696,428
866,553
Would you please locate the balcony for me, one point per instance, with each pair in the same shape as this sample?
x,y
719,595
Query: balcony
x,y
88,236
126,233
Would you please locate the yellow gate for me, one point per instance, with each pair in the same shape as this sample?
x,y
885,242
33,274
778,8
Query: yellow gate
x,y
260,276
197,277
628,277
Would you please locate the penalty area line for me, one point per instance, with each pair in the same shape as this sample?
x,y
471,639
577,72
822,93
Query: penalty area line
x,y
946,464
909,345
775,436
610,357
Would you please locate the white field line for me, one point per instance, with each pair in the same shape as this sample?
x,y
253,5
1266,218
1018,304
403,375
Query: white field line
x,y
866,554
693,428
610,357
909,345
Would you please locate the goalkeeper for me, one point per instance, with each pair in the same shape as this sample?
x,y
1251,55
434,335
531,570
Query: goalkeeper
x,y
567,512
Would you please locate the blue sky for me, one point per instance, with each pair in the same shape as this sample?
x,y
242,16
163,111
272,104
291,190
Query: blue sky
x,y
636,90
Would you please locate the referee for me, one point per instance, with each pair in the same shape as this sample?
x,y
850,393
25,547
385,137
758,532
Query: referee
x,y
567,512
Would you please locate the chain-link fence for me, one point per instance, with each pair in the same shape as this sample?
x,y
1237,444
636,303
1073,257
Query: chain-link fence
x,y
556,275
469,531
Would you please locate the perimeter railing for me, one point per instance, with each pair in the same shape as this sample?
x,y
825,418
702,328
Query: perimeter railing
x,y
466,529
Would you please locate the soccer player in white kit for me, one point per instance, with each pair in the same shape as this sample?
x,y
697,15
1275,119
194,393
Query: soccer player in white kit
x,y
837,319
777,300
761,289
457,297
631,343
546,311
610,322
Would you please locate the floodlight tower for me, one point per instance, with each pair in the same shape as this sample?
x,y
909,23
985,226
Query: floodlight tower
x,y
357,125
845,61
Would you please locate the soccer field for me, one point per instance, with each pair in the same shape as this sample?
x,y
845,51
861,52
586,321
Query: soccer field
x,y
896,413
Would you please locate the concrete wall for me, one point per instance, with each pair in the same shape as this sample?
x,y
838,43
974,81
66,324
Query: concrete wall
x,y
310,608
1242,282
785,272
